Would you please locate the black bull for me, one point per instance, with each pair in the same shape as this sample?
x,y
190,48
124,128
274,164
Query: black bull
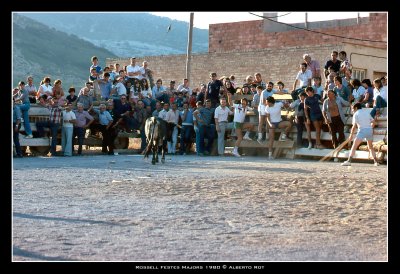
x,y
155,130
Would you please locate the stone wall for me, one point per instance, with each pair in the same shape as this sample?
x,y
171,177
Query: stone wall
x,y
273,64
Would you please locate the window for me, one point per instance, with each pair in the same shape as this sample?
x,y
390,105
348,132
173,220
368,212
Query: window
x,y
359,74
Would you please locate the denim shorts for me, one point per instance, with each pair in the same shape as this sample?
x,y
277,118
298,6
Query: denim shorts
x,y
365,133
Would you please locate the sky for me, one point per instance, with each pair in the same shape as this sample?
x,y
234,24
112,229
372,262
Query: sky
x,y
203,19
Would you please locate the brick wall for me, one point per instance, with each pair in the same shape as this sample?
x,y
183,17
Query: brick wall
x,y
273,64
250,35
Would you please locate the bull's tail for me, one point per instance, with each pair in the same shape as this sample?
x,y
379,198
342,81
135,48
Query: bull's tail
x,y
147,150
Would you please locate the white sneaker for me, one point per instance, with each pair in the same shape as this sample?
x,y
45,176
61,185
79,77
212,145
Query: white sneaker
x,y
346,163
247,137
235,153
116,153
376,164
309,145
283,137
30,136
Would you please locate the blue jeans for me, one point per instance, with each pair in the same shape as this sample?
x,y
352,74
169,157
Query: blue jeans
x,y
201,132
53,129
16,140
66,140
379,103
186,136
25,114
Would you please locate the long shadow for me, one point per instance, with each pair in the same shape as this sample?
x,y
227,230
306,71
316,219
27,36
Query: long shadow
x,y
59,162
34,255
69,220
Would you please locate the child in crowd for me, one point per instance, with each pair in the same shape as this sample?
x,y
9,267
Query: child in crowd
x,y
71,98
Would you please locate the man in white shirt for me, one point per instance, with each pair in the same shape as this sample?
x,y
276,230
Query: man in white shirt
x,y
67,130
303,77
134,73
221,121
172,118
184,88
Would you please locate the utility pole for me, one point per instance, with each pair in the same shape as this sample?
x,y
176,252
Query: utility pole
x,y
189,47
306,21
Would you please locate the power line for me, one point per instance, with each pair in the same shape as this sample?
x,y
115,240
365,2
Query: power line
x,y
314,31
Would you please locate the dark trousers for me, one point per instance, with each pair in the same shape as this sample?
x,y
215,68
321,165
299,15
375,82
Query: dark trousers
x,y
186,137
170,129
16,139
54,131
80,133
108,139
300,128
209,133
336,126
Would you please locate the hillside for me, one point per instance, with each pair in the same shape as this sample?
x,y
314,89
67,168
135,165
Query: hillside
x,y
42,51
127,34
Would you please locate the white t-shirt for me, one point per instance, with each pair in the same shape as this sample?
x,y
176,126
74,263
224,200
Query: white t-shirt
x,y
362,118
163,114
68,115
172,116
303,77
357,93
121,89
240,113
222,114
131,68
43,89
146,93
274,112
382,92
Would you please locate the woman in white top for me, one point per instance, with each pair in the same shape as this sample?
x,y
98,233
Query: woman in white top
x,y
380,97
45,88
240,111
358,91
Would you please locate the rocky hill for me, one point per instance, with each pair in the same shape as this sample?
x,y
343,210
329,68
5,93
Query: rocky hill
x,y
41,51
127,34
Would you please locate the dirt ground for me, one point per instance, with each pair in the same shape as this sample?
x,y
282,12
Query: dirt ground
x,y
122,208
